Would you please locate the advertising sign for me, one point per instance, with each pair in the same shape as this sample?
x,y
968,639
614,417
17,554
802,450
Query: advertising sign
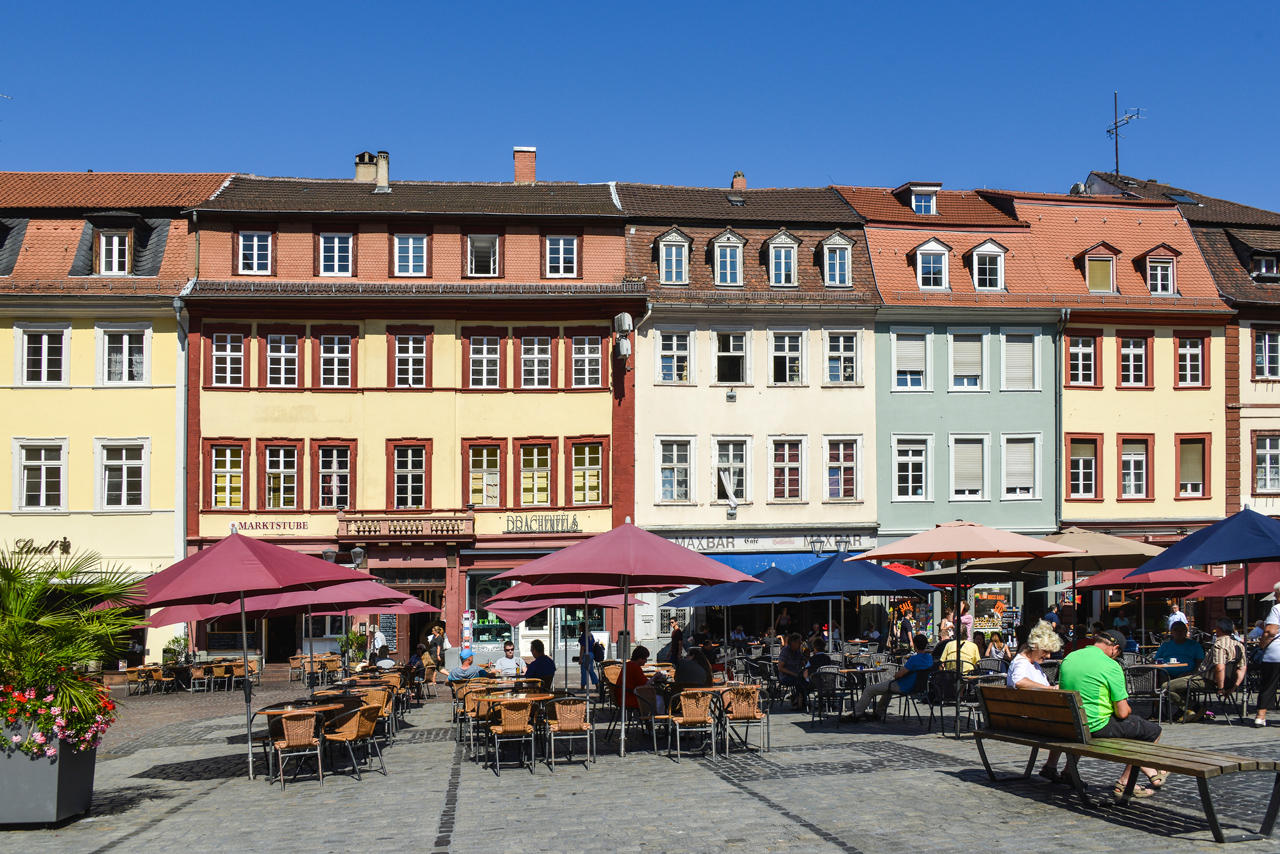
x,y
468,621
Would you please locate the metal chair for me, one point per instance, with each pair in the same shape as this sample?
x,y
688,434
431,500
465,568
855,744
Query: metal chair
x,y
199,678
514,724
828,694
571,720
695,715
993,665
1050,669
647,712
1150,684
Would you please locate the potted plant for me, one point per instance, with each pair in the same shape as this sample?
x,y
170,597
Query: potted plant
x,y
52,623
352,645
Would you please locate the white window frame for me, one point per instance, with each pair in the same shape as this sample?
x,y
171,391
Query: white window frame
x,y
282,451
414,364
500,474
692,476
1146,355
536,360
1264,265
100,446
747,467
335,237
565,271
1201,351
856,439
804,350
803,464
837,243
675,243
924,204
1092,495
488,360
497,255
253,268
243,358
1258,454
245,484
102,236
783,247
19,495
574,468
1263,336
927,379
1037,480
985,440
827,354
411,474
409,237
662,354
540,466
587,360
1092,350
20,330
1178,444
1005,332
101,331
727,241
984,335
989,249
337,360
327,502
933,247
1148,479
746,356
282,358
1169,289
928,440
1110,259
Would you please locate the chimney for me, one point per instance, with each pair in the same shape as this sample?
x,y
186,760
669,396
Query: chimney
x,y
526,157
382,170
739,181
366,171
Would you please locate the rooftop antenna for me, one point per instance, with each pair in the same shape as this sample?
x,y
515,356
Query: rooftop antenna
x,y
1118,121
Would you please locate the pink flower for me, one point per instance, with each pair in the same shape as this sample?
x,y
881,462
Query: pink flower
x,y
49,699
31,693
39,738
17,739
55,710
51,751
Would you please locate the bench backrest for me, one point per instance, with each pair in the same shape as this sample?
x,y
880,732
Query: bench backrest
x,y
1050,714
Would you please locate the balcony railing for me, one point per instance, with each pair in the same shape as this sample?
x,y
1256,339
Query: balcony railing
x,y
420,525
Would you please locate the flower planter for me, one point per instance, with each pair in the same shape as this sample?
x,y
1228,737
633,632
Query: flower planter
x,y
44,790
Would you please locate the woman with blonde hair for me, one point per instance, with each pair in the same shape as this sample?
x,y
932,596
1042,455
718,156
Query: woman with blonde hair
x,y
1025,673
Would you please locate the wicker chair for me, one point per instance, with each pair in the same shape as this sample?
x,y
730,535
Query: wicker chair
x,y
295,667
1149,684
571,720
237,674
199,678
134,680
694,716
255,671
299,740
163,682
356,727
383,698
647,712
221,673
742,709
514,723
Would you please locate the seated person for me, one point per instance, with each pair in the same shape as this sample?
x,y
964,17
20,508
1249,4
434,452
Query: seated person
x,y
509,665
791,665
1189,653
1222,671
634,677
416,661
701,636
902,682
543,666
467,667
819,658
693,670
385,661
738,639
969,656
712,656
997,648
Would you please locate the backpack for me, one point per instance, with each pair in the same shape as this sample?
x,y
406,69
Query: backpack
x,y
597,651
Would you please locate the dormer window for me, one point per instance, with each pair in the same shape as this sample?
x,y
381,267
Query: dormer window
x,y
836,252
988,266
1099,262
1264,265
925,204
673,258
727,249
783,250
1160,276
931,265
114,253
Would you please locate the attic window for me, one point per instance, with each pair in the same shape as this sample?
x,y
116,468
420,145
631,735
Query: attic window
x,y
1182,198
924,204
114,252
1264,265
736,200
1099,271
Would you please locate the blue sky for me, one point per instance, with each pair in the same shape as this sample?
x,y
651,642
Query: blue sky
x,y
997,95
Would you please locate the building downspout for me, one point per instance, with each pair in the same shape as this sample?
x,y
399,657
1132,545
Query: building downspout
x,y
1057,418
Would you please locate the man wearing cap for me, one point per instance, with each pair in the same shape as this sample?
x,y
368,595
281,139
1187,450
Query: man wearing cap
x,y
1094,672
1223,670
467,668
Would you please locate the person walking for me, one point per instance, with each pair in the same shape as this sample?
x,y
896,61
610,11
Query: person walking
x,y
1269,666
586,657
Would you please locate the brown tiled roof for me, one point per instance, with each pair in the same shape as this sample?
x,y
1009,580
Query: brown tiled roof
x,y
1227,253
1208,209
955,207
268,288
103,190
250,193
777,205
100,286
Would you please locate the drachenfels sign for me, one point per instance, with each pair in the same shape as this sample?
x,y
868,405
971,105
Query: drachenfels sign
x,y
543,523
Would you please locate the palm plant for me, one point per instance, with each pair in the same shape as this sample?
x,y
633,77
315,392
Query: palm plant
x,y
52,619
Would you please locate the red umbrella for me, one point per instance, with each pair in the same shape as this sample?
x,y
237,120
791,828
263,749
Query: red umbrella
x,y
525,590
1262,578
1115,579
518,612
626,557
903,569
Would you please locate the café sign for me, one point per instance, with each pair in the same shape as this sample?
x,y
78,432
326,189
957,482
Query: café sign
x,y
542,523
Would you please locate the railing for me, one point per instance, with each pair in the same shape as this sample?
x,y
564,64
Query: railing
x,y
406,525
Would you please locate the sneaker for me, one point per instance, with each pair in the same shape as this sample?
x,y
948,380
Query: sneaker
x,y
1208,716
1259,721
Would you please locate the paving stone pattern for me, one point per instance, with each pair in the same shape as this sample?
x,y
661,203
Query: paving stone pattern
x,y
170,778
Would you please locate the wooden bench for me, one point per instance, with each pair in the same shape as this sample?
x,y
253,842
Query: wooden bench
x,y
1053,720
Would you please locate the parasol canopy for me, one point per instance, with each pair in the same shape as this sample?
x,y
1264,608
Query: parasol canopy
x,y
1119,579
1262,579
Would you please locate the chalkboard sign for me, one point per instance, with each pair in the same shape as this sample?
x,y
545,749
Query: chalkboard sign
x,y
387,623
223,641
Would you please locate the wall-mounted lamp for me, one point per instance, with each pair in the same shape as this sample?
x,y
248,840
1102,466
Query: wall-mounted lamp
x,y
357,556
731,395
330,555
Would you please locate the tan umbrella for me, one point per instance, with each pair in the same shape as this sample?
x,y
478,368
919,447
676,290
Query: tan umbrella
x,y
958,541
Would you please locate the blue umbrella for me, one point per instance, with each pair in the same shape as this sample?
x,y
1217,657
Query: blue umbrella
x,y
1246,536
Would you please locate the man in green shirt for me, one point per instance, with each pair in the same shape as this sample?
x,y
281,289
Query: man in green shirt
x,y
1094,672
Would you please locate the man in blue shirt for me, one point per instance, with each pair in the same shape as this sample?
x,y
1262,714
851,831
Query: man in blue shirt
x,y
902,682
542,667
1188,653
1051,616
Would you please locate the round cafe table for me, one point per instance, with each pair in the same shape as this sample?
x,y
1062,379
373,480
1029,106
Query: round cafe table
x,y
318,708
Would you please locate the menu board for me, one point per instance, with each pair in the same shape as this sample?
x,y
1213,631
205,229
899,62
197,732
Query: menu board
x,y
387,624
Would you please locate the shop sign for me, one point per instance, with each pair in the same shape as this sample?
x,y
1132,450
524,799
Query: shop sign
x,y
29,546
271,525
543,523
762,541
468,620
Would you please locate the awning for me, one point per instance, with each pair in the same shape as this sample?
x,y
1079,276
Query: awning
x,y
754,563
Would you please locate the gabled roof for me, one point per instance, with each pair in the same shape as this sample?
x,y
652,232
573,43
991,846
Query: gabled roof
x,y
930,243
107,190
954,208
253,194
989,243
674,233
1101,247
791,206
728,235
1161,250
782,236
1207,209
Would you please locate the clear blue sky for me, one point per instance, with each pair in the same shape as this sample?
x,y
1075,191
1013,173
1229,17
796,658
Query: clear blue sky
x,y
994,94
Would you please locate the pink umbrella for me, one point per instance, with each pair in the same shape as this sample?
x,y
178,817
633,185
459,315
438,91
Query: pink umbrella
x,y
1262,577
524,590
518,612
957,541
626,557
1115,579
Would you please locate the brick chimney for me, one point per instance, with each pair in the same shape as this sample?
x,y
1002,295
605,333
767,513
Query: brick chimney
x,y
366,167
739,181
526,158
382,171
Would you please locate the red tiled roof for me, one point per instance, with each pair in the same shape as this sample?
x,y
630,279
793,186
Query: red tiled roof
x,y
955,207
107,189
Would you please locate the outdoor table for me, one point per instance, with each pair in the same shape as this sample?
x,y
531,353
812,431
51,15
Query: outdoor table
x,y
301,706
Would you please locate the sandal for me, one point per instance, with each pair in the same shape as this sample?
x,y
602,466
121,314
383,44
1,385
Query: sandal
x,y
1155,781
1052,775
1138,791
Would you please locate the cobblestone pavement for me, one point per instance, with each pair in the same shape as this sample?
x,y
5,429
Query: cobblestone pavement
x,y
171,778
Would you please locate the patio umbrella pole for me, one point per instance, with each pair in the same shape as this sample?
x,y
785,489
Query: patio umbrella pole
x,y
248,690
955,630
622,733
1244,633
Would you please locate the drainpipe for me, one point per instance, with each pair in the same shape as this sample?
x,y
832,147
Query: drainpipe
x,y
1057,418
180,420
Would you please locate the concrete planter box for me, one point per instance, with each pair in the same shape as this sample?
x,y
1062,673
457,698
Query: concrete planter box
x,y
42,790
